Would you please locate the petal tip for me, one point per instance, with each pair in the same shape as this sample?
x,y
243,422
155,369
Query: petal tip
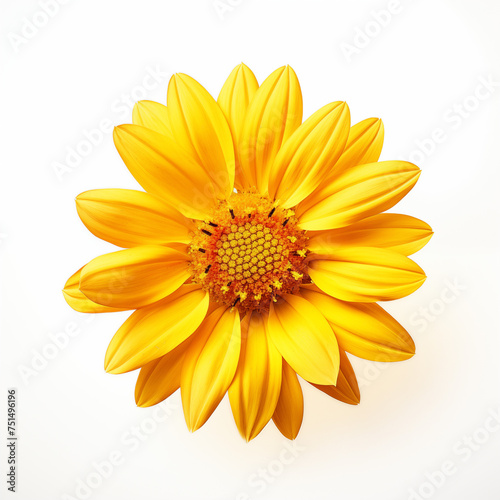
x,y
352,399
118,132
109,366
192,428
142,403
378,125
281,71
180,78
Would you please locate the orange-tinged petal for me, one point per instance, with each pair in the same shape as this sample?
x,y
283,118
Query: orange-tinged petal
x,y
163,168
347,389
200,127
401,233
290,408
273,115
364,274
152,115
75,298
305,339
357,193
234,98
161,377
134,277
309,154
210,365
256,386
129,218
365,330
154,331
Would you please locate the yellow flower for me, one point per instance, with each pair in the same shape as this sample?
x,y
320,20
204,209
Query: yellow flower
x,y
256,254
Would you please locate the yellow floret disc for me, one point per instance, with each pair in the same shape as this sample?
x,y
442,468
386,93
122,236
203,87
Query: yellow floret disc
x,y
249,252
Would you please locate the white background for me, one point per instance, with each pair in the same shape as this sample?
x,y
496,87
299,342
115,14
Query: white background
x,y
80,67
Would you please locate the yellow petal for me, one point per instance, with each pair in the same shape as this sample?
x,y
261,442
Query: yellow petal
x,y
347,389
75,298
357,193
200,127
364,145
401,233
309,154
273,115
234,98
364,274
256,386
210,365
163,168
152,115
290,408
365,330
153,331
303,337
129,218
134,277
161,377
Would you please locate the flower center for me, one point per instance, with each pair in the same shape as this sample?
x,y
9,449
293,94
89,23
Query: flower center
x,y
249,252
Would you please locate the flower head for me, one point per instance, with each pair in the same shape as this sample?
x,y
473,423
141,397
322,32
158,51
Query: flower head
x,y
256,253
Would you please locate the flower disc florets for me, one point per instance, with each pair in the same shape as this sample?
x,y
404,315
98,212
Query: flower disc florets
x,y
249,252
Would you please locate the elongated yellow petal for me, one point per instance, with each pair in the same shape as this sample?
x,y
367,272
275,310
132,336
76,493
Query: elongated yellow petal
x,y
75,298
153,331
364,274
200,127
401,233
161,377
134,277
256,386
234,98
309,154
163,168
210,365
347,389
363,146
273,115
129,218
304,338
290,408
152,115
365,330
359,192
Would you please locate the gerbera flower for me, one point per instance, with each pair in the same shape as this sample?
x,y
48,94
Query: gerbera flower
x,y
256,253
